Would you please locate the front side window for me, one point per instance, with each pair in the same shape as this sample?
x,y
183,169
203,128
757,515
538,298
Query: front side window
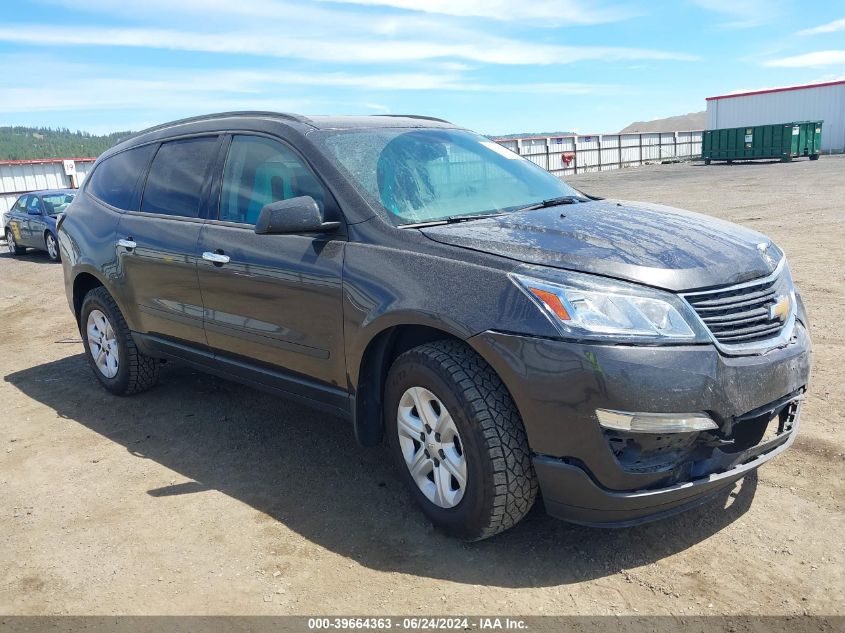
x,y
174,184
429,175
33,206
115,181
259,171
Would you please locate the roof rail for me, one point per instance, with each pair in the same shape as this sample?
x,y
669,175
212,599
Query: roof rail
x,y
417,116
222,115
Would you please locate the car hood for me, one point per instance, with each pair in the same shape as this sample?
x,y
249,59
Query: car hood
x,y
651,244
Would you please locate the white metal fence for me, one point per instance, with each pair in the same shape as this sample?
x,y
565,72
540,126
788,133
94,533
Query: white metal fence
x,y
21,176
564,155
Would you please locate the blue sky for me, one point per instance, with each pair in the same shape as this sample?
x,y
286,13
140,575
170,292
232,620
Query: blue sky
x,y
497,66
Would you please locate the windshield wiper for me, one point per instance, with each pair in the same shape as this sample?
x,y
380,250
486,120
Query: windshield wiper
x,y
552,202
453,219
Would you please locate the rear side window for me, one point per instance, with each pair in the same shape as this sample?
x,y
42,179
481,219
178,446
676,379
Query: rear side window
x,y
115,181
174,184
20,205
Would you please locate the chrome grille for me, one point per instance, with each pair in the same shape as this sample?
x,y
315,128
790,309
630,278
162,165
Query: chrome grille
x,y
737,315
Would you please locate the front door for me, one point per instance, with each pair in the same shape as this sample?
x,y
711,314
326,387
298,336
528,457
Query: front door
x,y
273,305
158,245
33,222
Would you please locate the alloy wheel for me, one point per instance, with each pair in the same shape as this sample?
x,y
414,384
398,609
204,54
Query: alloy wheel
x,y
52,246
432,447
102,343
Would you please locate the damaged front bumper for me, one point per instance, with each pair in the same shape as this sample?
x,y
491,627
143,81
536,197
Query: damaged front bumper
x,y
594,475
571,494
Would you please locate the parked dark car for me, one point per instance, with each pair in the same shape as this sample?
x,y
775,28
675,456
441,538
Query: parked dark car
x,y
31,222
504,332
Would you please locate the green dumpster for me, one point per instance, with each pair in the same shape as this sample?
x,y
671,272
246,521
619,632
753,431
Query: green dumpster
x,y
783,141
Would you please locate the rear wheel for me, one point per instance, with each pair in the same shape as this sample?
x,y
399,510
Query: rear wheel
x,y
52,246
12,245
458,440
117,363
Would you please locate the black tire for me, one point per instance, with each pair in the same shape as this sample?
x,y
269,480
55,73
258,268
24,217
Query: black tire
x,y
12,245
814,156
136,371
48,236
501,483
706,161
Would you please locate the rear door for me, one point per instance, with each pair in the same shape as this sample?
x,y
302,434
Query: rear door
x,y
16,219
158,245
273,306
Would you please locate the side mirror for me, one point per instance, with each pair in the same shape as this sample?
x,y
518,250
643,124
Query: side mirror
x,y
34,211
294,215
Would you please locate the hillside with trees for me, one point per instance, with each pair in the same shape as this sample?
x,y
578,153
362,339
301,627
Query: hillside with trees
x,y
20,143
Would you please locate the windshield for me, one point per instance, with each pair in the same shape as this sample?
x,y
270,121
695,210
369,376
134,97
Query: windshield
x,y
429,175
56,202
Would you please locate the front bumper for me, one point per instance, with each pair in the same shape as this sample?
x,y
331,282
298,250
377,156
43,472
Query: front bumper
x,y
558,386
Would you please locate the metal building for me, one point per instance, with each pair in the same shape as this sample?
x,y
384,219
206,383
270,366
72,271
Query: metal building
x,y
22,176
811,102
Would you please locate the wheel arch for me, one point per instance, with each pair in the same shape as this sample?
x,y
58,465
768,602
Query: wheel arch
x,y
375,361
83,283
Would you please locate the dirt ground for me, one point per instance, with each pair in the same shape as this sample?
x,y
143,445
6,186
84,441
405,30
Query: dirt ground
x,y
205,497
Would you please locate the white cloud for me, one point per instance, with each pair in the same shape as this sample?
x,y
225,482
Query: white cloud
x,y
551,12
484,49
744,13
97,87
830,27
810,60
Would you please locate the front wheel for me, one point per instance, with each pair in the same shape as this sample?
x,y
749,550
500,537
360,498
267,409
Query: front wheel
x,y
12,245
52,247
458,440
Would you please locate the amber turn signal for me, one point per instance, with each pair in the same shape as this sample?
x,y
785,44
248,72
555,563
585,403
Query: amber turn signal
x,y
552,301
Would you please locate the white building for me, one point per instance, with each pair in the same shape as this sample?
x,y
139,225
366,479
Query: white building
x,y
812,102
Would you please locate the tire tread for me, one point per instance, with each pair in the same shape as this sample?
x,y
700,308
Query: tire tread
x,y
493,409
143,369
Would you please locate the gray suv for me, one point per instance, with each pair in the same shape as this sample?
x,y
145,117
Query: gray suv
x,y
505,333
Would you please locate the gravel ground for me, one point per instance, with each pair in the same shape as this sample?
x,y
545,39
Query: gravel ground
x,y
202,496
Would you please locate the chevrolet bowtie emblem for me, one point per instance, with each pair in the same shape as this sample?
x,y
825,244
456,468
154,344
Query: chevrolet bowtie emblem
x,y
779,310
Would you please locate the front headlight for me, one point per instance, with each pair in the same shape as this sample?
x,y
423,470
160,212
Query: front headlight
x,y
587,307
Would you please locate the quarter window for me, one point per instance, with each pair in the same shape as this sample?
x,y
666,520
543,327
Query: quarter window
x,y
259,171
115,181
174,184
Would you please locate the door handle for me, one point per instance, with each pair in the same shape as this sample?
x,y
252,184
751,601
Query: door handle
x,y
216,258
127,243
